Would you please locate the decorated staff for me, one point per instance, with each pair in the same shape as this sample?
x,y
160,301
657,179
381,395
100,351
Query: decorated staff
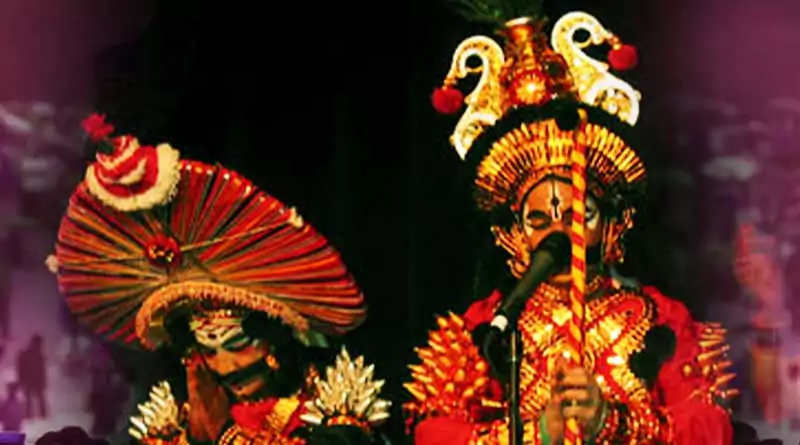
x,y
547,133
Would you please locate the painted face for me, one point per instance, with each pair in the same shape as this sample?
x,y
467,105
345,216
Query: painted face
x,y
547,208
238,360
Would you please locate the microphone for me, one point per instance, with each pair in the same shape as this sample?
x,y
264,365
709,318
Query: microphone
x,y
552,255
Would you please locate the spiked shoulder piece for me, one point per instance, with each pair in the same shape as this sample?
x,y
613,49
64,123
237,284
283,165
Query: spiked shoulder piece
x,y
452,377
347,396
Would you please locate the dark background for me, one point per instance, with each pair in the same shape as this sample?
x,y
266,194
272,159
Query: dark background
x,y
326,106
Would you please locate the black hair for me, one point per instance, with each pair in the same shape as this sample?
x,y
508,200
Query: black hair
x,y
659,347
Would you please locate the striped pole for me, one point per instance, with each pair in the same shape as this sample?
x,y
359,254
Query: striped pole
x,y
572,429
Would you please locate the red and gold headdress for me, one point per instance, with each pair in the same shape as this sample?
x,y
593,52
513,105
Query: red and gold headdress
x,y
147,233
521,119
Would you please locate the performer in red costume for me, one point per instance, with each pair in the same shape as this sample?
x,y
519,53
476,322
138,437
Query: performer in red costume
x,y
164,252
547,131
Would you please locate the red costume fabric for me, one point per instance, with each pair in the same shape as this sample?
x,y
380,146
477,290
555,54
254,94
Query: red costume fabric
x,y
687,399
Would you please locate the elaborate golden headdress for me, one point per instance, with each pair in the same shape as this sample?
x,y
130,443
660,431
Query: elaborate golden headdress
x,y
147,233
521,119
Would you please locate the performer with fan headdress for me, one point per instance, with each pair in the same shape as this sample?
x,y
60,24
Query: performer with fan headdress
x,y
162,252
547,131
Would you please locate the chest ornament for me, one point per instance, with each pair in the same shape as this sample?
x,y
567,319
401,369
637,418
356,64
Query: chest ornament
x,y
615,328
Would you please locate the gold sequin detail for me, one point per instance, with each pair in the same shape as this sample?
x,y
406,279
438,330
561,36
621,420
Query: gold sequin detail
x,y
615,328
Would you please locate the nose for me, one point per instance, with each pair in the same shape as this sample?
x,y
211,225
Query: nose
x,y
561,225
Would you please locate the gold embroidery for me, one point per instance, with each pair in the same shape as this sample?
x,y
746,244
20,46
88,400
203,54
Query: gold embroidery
x,y
237,435
282,413
615,329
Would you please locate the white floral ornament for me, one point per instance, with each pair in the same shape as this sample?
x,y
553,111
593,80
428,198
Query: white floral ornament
x,y
134,177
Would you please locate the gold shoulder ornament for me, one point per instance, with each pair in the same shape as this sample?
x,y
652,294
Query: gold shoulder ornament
x,y
160,417
347,396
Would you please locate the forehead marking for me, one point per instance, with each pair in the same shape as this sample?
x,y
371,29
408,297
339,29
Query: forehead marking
x,y
555,200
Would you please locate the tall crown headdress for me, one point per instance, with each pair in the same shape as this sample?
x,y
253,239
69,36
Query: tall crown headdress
x,y
520,118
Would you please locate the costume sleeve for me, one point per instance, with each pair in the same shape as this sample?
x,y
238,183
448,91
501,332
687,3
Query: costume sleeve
x,y
690,394
455,400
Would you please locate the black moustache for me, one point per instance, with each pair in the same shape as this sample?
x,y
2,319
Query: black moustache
x,y
245,375
594,254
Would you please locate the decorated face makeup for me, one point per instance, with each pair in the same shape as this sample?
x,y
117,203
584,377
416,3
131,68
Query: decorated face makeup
x,y
236,358
547,208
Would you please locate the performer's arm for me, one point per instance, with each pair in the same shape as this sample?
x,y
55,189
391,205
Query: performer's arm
x,y
690,393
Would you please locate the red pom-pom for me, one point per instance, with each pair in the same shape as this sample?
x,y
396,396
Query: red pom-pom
x,y
447,100
97,128
623,57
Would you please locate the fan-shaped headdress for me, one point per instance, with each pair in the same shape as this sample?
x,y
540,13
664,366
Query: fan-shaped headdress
x,y
147,233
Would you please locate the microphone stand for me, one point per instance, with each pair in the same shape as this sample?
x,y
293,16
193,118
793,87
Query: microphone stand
x,y
515,429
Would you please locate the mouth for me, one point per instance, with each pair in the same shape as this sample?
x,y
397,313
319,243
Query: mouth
x,y
251,390
247,382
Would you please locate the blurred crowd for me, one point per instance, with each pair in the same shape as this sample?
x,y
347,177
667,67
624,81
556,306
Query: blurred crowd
x,y
41,161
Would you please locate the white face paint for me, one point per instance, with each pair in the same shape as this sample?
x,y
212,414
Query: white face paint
x,y
215,331
592,213
551,203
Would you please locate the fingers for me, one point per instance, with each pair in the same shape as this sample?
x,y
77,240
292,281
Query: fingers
x,y
584,415
576,397
576,393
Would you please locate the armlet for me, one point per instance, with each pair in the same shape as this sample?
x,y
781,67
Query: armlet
x,y
452,378
348,396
